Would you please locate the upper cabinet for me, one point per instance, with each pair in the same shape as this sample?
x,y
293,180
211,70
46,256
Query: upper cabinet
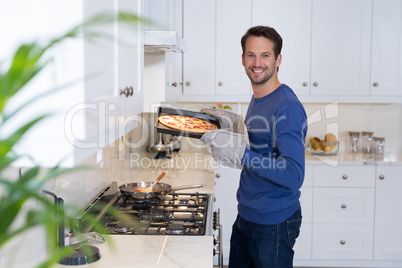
x,y
130,59
343,50
340,47
212,62
386,61
113,69
326,44
292,20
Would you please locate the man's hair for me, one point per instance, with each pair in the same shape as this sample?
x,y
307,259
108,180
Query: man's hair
x,y
264,31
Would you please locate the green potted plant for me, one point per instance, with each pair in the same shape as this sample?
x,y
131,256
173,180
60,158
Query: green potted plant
x,y
27,62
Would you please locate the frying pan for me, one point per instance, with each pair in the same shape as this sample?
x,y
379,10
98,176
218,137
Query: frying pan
x,y
159,190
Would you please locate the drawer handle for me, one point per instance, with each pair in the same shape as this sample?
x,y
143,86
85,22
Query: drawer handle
x,y
343,206
381,177
217,175
345,177
343,242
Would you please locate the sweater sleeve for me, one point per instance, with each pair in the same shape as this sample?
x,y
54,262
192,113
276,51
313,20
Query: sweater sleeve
x,y
287,168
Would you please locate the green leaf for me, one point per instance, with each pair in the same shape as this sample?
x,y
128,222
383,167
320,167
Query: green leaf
x,y
24,67
7,144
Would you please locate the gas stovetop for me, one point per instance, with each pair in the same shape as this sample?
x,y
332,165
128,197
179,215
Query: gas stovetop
x,y
173,214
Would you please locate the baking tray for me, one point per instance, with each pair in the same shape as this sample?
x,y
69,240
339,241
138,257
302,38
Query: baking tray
x,y
170,111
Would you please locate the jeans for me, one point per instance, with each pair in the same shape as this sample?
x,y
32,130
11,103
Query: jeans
x,y
256,245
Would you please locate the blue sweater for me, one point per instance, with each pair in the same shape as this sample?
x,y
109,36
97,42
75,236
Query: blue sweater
x,y
273,167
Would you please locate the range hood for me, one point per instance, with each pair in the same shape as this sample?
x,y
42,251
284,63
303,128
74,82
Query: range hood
x,y
163,41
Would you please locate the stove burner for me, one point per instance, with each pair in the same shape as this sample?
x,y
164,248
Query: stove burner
x,y
176,228
122,230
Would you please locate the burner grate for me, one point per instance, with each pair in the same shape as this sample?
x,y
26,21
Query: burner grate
x,y
175,214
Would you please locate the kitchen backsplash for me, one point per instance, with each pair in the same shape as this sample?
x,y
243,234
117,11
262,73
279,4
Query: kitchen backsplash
x,y
385,120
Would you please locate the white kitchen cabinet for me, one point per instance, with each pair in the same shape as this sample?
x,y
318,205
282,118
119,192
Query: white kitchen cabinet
x,y
111,65
166,15
233,19
344,176
343,212
212,63
303,244
323,55
340,47
343,205
130,60
388,219
386,63
226,185
343,241
292,20
199,60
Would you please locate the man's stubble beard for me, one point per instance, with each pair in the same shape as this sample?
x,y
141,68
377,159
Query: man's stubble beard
x,y
265,79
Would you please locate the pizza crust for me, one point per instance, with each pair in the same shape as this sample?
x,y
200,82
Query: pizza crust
x,y
186,123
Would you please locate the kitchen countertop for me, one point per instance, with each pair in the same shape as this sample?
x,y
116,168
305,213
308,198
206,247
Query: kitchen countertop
x,y
154,251
348,158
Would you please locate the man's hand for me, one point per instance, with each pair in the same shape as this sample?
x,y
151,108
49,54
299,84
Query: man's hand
x,y
229,120
227,148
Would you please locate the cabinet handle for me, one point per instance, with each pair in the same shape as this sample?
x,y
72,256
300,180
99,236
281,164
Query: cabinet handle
x,y
174,84
343,206
342,242
128,91
315,84
217,175
220,84
381,177
375,84
345,177
188,83
305,84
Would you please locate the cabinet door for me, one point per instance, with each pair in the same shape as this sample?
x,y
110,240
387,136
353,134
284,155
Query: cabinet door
x,y
226,184
386,64
388,227
341,38
130,60
199,58
292,20
233,18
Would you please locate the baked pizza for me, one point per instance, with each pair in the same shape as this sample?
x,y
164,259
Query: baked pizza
x,y
186,123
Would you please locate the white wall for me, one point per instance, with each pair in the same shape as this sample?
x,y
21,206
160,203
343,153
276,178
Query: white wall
x,y
26,21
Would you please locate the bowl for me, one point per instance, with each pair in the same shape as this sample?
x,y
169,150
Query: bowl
x,y
321,152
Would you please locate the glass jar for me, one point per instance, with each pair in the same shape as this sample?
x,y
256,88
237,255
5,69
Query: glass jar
x,y
367,142
354,141
379,145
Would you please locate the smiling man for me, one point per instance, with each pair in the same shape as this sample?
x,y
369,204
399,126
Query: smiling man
x,y
271,155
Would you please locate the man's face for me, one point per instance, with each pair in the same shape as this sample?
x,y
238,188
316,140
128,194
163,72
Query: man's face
x,y
259,59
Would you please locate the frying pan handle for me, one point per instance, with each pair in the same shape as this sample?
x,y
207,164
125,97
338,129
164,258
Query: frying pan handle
x,y
187,187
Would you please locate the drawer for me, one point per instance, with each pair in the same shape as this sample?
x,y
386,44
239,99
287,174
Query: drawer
x,y
343,241
344,176
343,205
